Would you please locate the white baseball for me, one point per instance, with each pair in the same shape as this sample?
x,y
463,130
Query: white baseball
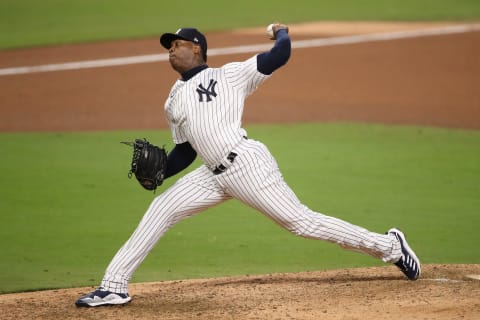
x,y
270,33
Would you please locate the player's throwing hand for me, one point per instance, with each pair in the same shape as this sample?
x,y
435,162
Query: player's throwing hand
x,y
273,28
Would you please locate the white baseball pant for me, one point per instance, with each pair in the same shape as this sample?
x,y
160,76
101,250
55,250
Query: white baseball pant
x,y
254,179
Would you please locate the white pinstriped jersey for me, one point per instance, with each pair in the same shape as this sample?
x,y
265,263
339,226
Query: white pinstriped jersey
x,y
207,109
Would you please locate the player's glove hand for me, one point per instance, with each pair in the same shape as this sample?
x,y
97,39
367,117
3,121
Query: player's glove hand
x,y
149,163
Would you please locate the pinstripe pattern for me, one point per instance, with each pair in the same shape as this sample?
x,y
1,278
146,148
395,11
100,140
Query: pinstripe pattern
x,y
214,129
256,180
189,195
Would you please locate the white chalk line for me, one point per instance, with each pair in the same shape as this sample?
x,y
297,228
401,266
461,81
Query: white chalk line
x,y
310,43
442,280
468,276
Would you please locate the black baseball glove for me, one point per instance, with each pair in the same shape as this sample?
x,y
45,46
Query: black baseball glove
x,y
149,163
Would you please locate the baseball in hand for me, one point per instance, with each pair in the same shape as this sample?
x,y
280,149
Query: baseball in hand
x,y
270,32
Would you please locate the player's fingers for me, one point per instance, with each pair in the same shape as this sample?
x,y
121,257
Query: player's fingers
x,y
279,26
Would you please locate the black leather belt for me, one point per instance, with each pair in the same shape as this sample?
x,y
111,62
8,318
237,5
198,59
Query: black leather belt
x,y
221,168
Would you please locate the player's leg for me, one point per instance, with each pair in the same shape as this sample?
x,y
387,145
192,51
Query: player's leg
x,y
189,195
255,180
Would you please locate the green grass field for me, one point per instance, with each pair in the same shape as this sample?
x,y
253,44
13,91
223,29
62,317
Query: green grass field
x,y
67,204
32,22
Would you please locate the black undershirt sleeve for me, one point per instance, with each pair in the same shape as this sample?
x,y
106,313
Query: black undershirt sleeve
x,y
181,156
270,61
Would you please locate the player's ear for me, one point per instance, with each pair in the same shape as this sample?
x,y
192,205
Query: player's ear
x,y
197,49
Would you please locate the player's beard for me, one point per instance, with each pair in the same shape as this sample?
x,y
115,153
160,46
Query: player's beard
x,y
182,65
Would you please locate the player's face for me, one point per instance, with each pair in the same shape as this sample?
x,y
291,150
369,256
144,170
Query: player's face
x,y
182,55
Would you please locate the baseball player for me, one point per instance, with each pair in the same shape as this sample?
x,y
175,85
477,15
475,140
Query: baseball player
x,y
204,111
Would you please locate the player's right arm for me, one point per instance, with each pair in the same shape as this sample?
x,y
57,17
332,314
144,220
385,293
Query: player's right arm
x,y
253,71
270,61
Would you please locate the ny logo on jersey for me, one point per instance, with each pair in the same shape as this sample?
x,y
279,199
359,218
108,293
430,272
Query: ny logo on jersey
x,y
209,92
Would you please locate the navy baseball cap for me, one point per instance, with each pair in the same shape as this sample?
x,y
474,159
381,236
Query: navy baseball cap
x,y
189,34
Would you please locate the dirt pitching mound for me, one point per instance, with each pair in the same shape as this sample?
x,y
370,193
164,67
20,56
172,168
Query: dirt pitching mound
x,y
443,292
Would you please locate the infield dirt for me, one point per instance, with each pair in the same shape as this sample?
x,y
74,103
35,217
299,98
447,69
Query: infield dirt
x,y
443,292
419,81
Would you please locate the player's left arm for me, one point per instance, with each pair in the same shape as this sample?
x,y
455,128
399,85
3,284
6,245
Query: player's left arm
x,y
270,61
181,156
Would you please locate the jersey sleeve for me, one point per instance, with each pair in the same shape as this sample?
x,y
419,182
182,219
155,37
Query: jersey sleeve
x,y
245,75
173,112
177,135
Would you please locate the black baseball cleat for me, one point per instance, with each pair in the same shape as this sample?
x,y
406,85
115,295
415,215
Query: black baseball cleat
x,y
408,262
102,297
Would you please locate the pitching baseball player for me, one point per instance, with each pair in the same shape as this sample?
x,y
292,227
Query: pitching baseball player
x,y
204,111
